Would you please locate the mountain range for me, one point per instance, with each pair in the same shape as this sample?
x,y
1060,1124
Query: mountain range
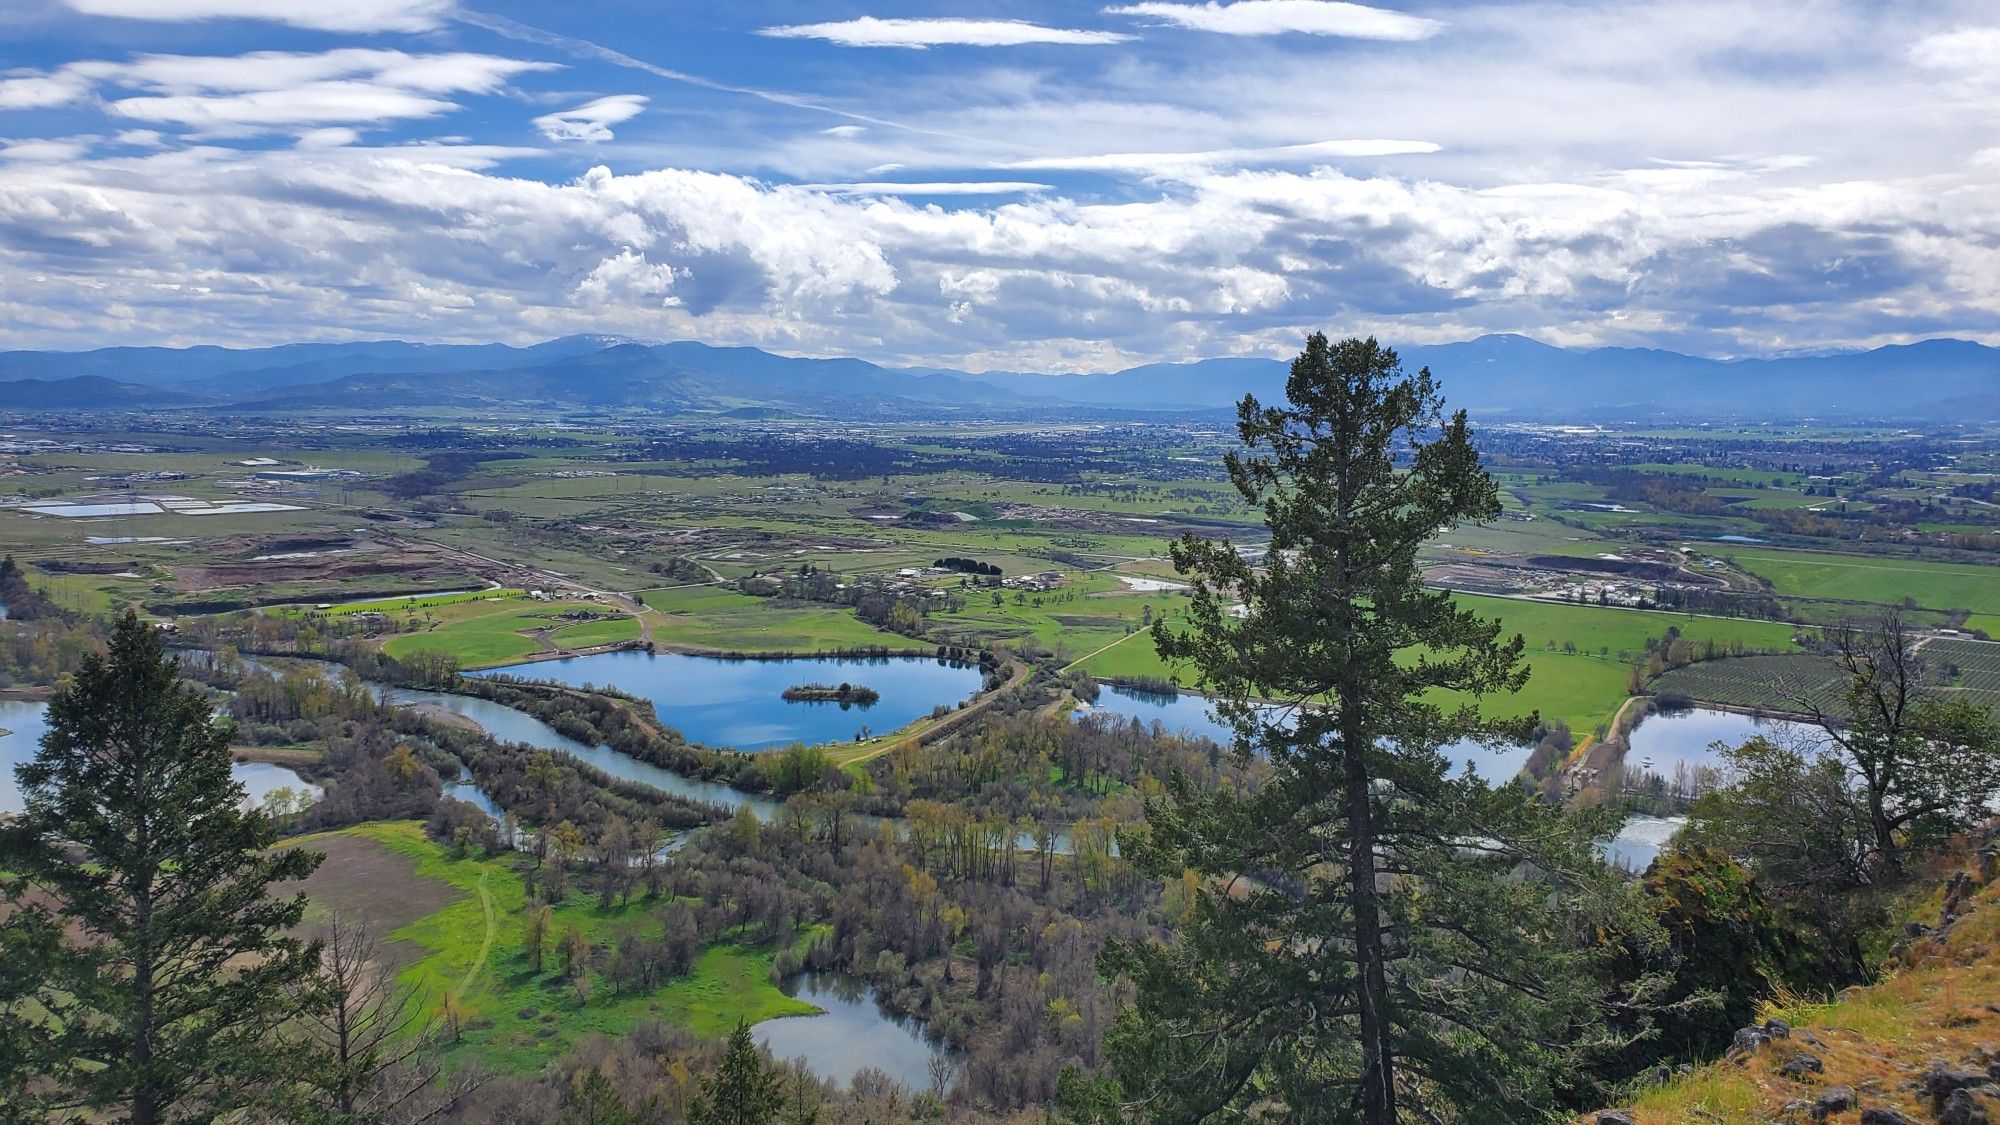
x,y
1495,376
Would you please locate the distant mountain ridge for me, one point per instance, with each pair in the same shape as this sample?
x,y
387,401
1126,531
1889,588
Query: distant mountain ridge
x,y
1500,375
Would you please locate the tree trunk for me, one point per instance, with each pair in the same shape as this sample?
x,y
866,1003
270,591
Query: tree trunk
x,y
1378,1078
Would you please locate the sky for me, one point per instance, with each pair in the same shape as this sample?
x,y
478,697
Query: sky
x,y
1000,186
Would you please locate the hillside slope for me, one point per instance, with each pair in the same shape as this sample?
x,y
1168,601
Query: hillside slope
x,y
1922,1045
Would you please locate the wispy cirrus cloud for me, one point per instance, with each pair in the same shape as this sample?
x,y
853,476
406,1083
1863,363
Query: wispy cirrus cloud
x,y
918,34
1281,17
935,187
315,15
272,89
591,121
1276,154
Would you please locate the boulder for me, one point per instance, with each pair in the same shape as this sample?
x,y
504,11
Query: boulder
x,y
1800,1065
1747,1040
1940,1082
1613,1117
1832,1100
1883,1115
1962,1108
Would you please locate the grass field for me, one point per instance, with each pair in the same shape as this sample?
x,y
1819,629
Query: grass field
x,y
472,948
603,631
407,604
1883,581
710,617
486,632
1583,688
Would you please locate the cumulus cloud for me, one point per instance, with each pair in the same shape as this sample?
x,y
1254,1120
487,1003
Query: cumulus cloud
x,y
870,31
420,239
1280,17
592,120
316,15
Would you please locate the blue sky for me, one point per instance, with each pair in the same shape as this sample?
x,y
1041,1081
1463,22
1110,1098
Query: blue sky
x,y
1028,186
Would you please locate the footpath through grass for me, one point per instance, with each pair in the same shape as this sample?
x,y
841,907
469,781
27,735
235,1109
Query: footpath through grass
x,y
517,1020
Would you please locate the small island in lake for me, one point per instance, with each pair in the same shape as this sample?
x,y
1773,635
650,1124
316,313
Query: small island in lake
x,y
845,694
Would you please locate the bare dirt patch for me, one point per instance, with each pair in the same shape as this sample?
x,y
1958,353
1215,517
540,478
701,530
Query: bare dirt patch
x,y
362,878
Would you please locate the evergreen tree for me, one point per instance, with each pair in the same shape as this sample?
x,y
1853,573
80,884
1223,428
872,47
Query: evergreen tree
x,y
742,1091
1371,934
162,1000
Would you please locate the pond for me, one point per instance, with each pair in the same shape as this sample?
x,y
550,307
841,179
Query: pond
x,y
854,1032
1667,740
1188,714
26,722
735,704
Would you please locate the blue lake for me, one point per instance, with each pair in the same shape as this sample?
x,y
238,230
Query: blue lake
x,y
1187,714
736,704
26,722
852,1032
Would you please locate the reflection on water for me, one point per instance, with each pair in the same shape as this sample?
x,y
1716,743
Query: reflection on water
x,y
25,723
853,1032
1191,715
1686,738
509,725
736,703
1639,841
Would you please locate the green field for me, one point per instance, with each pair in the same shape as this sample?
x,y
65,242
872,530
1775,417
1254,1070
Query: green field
x,y
1882,581
409,603
603,631
473,950
714,618
1583,688
487,632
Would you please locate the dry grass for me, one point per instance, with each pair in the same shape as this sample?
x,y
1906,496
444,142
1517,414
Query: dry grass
x,y
1941,1002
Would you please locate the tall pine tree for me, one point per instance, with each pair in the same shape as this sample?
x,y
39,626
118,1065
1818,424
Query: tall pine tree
x,y
1375,935
159,1001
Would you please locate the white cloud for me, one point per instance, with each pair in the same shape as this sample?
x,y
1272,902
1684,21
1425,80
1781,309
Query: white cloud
x,y
843,131
417,239
1174,161
316,15
300,105
592,120
1279,17
941,187
277,89
46,148
333,137
1973,51
42,91
870,31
